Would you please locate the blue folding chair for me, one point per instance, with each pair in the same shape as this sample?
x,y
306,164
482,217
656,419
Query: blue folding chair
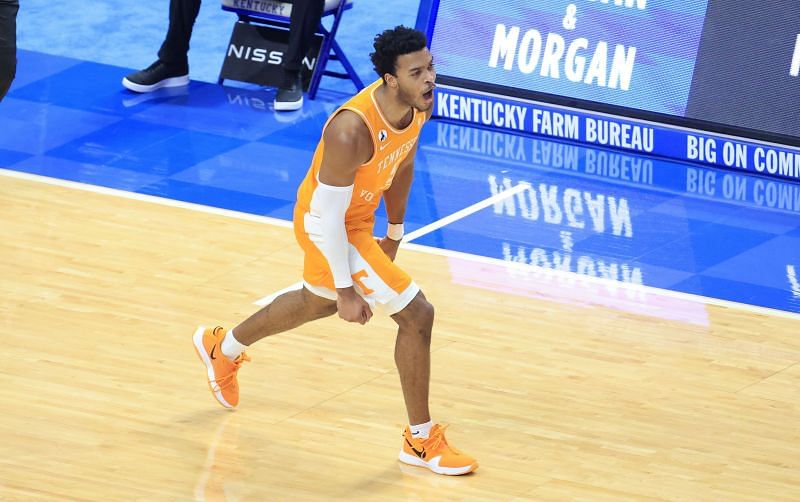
x,y
276,13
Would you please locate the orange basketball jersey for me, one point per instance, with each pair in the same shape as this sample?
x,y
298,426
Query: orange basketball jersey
x,y
391,147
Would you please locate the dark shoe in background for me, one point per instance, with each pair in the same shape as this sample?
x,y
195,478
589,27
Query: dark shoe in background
x,y
290,94
156,76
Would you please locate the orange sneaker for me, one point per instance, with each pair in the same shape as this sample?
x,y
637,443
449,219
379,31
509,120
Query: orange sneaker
x,y
221,370
435,453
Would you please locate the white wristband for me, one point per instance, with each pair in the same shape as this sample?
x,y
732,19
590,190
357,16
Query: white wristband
x,y
395,231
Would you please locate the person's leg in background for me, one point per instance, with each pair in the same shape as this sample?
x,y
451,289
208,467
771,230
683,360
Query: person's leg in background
x,y
172,67
304,21
8,44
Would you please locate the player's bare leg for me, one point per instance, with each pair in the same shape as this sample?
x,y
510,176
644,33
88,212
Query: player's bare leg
x,y
412,355
222,352
288,311
424,443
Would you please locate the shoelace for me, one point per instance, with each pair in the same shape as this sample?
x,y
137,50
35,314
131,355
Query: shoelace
x,y
438,439
228,379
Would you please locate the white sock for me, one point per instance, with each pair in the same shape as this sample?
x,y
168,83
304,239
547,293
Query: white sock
x,y
421,431
231,348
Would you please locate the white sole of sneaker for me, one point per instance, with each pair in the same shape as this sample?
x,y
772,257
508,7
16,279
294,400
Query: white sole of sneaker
x,y
434,465
197,341
167,82
283,106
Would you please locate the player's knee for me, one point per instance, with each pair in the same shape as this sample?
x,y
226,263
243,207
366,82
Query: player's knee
x,y
417,316
425,312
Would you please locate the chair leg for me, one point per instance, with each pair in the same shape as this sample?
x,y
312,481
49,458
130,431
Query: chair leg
x,y
322,60
326,49
351,72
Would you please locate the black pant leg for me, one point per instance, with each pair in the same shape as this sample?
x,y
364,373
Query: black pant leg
x,y
8,44
304,21
182,14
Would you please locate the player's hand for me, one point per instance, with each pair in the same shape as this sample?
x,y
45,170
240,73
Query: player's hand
x,y
389,247
351,307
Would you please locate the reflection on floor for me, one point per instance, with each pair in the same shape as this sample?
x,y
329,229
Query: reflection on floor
x,y
582,212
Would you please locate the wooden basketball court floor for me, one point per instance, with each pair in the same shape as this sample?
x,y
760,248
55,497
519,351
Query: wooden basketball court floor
x,y
103,398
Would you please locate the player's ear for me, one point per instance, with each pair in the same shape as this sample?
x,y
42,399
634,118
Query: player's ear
x,y
390,80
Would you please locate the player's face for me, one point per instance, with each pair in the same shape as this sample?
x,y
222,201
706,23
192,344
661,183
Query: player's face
x,y
415,79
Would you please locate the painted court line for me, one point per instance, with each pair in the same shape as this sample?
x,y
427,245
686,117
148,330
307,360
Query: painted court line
x,y
465,212
414,247
269,298
153,199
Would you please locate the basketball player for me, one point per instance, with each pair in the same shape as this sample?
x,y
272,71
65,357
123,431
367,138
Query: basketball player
x,y
366,152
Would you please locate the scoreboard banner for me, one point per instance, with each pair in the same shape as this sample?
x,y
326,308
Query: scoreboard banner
x,y
594,128
729,67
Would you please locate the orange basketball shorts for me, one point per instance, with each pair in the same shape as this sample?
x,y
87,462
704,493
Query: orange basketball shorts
x,y
375,277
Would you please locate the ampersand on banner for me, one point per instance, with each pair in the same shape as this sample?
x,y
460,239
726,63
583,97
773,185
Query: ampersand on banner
x,y
569,20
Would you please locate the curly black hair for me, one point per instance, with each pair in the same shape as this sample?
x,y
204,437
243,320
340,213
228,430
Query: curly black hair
x,y
393,43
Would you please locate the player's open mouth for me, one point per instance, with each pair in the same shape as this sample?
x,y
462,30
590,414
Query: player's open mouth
x,y
428,95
